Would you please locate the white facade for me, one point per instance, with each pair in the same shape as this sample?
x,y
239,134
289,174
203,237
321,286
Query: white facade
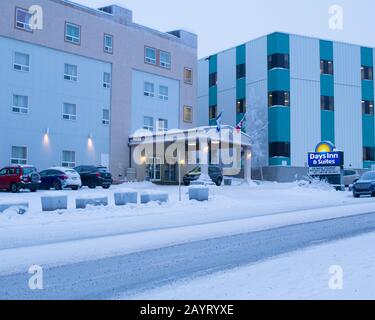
x,y
155,104
42,127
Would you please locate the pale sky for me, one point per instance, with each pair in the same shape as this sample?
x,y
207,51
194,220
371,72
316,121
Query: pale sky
x,y
222,24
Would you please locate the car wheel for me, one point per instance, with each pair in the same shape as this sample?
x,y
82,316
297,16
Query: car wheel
x,y
14,188
92,185
106,187
57,185
75,188
186,183
33,190
219,182
355,195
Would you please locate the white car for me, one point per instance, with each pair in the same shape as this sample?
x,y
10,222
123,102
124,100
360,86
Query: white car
x,y
60,178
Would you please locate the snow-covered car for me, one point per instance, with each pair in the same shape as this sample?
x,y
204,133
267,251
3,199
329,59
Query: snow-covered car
x,y
60,178
350,176
365,185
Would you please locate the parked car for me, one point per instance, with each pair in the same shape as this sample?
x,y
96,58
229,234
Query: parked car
x,y
95,176
215,173
350,176
20,177
365,185
60,178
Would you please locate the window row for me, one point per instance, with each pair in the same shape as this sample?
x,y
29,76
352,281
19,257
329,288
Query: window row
x,y
158,57
69,110
368,154
19,156
279,149
149,91
161,124
23,21
22,63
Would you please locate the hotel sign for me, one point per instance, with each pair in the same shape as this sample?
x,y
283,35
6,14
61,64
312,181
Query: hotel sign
x,y
326,159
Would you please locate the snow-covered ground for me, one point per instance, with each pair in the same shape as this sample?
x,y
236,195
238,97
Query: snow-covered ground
x,y
305,274
67,237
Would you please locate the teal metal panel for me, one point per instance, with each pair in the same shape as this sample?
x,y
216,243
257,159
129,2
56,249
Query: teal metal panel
x,y
367,57
278,43
279,124
279,80
368,130
213,96
326,50
213,64
368,164
368,90
278,161
328,126
327,87
241,54
241,89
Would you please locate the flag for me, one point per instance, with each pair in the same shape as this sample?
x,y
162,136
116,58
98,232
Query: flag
x,y
241,124
218,122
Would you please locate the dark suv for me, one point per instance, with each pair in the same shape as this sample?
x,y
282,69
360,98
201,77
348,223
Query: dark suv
x,y
16,178
215,173
95,176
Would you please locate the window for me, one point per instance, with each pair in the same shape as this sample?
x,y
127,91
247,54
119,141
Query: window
x,y
367,73
162,125
106,80
163,93
241,106
279,149
188,114
188,76
148,123
368,154
69,111
19,155
150,55
241,71
327,103
368,107
68,159
213,79
20,104
70,72
326,67
165,59
278,60
108,43
21,62
23,19
212,112
106,119
72,33
279,98
149,89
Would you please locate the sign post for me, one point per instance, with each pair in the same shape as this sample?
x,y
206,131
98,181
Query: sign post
x,y
327,163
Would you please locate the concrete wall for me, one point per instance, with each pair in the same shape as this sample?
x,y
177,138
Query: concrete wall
x,y
130,40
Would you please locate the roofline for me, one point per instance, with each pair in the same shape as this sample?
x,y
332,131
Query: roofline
x,y
291,34
108,17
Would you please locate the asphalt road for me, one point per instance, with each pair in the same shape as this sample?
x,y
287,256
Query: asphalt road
x,y
106,278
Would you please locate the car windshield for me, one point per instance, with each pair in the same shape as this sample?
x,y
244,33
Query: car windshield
x,y
368,176
102,170
70,171
196,170
28,170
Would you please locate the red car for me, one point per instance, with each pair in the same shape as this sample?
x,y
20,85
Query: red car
x,y
15,178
